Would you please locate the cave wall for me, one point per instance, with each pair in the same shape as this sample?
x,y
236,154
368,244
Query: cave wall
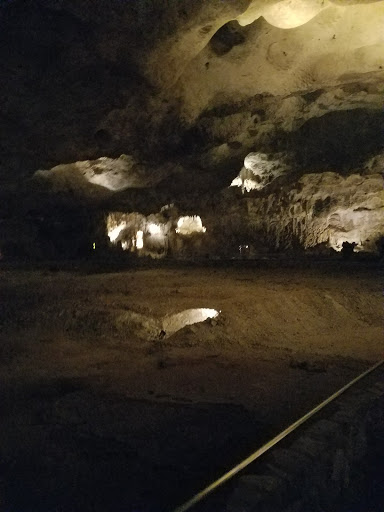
x,y
145,78
133,105
324,209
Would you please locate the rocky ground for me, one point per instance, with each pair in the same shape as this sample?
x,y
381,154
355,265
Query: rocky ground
x,y
97,416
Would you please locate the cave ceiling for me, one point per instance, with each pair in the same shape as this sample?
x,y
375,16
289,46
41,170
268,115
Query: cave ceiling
x,y
185,91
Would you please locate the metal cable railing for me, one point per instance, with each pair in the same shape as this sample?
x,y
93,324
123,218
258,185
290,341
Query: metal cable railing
x,y
267,446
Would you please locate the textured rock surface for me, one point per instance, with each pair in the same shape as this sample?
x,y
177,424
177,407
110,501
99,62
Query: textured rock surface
x,y
258,171
324,208
193,84
91,82
111,174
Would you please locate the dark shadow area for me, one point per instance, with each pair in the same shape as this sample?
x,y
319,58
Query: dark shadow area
x,y
82,449
229,35
338,141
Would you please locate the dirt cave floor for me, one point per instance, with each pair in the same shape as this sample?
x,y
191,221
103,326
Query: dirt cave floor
x,y
102,412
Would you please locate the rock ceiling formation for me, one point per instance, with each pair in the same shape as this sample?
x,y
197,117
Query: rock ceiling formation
x,y
185,91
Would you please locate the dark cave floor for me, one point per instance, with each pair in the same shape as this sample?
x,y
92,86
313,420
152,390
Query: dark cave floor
x,y
95,418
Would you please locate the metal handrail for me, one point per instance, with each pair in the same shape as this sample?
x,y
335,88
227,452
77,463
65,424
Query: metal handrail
x,y
267,446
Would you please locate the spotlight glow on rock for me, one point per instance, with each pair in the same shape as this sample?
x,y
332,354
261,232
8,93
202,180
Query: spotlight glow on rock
x,y
174,323
189,225
113,235
139,240
154,229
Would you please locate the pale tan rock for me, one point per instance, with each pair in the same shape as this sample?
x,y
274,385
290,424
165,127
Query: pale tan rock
x,y
324,208
110,174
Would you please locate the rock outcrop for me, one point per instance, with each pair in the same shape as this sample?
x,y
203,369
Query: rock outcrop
x,y
258,171
107,173
323,209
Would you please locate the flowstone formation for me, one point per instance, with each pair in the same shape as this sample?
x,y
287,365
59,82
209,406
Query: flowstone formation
x,y
196,96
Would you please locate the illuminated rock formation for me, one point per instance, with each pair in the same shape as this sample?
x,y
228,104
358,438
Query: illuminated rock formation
x,y
156,235
122,96
324,208
190,225
188,90
258,171
156,329
110,174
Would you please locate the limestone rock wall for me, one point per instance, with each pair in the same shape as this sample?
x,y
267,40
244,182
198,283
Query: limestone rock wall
x,y
81,80
332,48
323,208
